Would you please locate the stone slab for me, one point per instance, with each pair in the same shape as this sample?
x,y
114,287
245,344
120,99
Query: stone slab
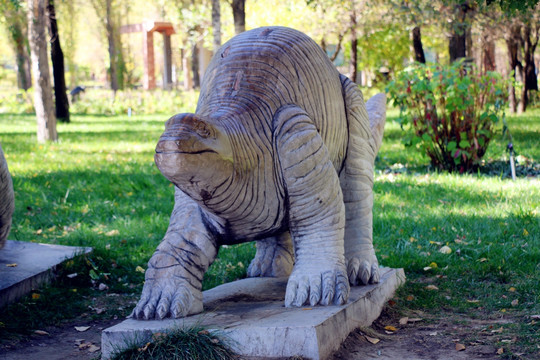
x,y
35,266
250,316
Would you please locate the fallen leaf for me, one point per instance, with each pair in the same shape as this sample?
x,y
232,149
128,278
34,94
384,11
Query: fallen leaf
x,y
499,330
82,328
512,289
71,276
102,287
11,265
390,328
215,341
474,301
371,339
391,302
433,334
525,232
112,232
203,332
84,345
460,347
93,348
433,265
515,302
35,296
506,341
500,351
415,319
410,298
403,321
482,260
139,269
141,349
432,287
41,332
445,250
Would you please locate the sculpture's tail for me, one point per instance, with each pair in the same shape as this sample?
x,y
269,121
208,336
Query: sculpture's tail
x,y
7,201
376,109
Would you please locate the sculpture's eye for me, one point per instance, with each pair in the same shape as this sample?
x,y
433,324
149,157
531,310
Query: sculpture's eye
x,y
202,129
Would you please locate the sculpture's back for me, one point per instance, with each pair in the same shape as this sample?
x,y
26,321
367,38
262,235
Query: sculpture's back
x,y
259,71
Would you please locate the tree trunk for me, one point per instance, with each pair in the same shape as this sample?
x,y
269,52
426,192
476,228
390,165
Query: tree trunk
x,y
528,73
112,46
216,24
353,65
417,45
195,66
57,57
43,100
24,75
239,15
513,39
457,46
488,52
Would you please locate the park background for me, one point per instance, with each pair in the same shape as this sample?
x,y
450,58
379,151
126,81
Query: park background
x,y
468,240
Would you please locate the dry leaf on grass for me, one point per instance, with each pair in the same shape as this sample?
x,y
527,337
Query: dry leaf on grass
x,y
371,339
515,302
499,330
390,328
445,250
432,287
112,232
93,348
500,351
82,328
460,347
403,321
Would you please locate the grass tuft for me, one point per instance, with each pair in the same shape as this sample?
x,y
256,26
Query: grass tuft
x,y
194,343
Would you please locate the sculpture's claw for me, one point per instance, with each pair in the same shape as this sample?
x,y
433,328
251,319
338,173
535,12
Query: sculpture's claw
x,y
363,269
168,295
327,287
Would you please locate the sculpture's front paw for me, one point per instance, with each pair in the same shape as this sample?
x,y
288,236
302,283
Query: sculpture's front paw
x,y
325,285
167,295
363,268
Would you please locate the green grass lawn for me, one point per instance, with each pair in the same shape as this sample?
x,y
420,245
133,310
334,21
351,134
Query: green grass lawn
x,y
98,187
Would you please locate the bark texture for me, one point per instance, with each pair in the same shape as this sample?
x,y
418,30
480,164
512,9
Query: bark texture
x,y
43,100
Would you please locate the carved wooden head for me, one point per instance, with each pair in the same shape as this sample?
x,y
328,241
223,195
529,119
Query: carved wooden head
x,y
195,155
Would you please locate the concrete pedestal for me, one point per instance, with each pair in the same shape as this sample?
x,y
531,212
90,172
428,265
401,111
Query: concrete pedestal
x,y
25,266
250,315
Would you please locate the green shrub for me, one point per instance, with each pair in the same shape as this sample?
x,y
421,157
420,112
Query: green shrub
x,y
452,111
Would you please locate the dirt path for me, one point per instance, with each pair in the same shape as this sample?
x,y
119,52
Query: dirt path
x,y
61,343
423,339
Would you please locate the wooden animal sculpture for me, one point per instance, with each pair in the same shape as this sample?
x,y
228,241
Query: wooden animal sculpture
x,y
7,201
280,150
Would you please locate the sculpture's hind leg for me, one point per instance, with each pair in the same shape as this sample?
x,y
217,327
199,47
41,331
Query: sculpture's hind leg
x,y
274,257
173,280
357,185
316,211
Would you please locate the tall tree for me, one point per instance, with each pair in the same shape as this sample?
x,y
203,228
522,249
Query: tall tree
x,y
216,24
43,100
353,65
239,15
513,44
57,57
105,10
531,33
17,26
